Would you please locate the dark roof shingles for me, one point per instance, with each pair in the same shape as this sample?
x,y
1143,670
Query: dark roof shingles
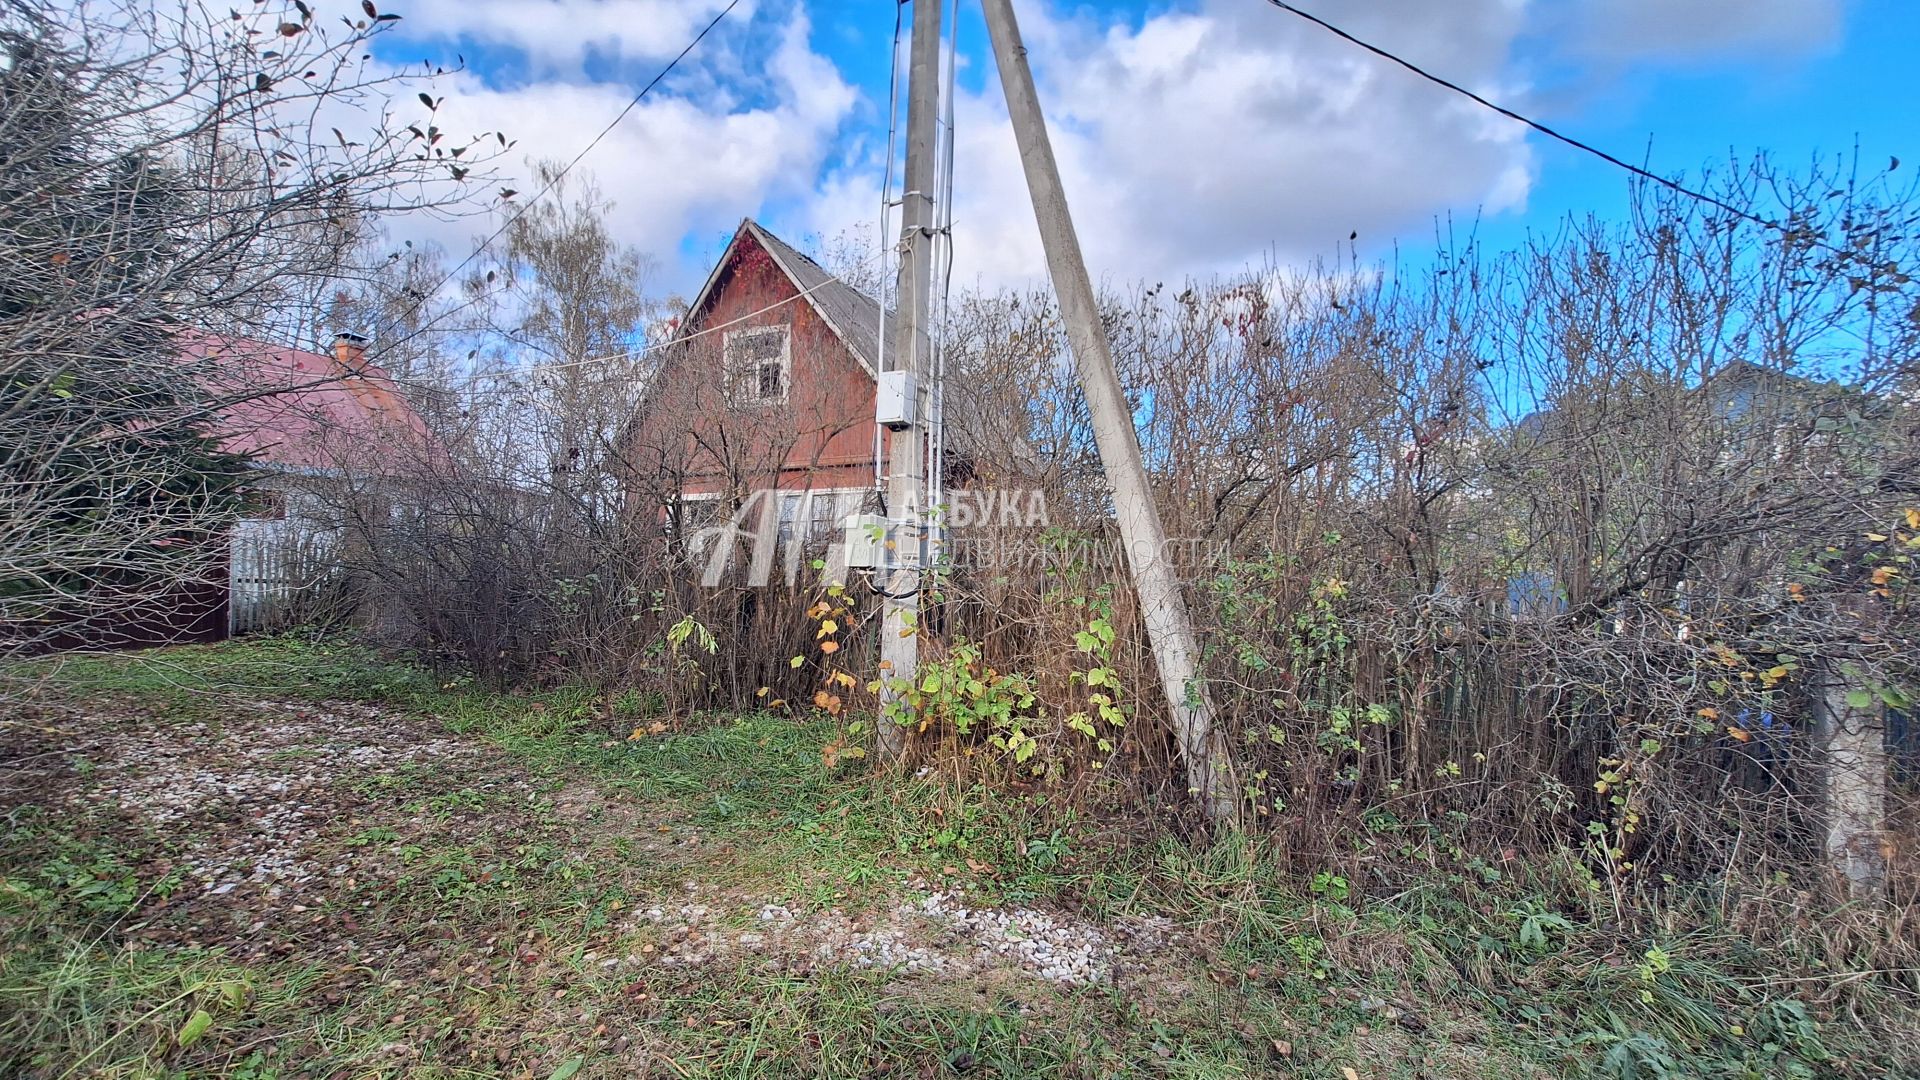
x,y
853,313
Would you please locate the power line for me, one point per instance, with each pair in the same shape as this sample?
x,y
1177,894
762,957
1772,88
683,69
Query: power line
x,y
677,339
1528,121
561,174
880,329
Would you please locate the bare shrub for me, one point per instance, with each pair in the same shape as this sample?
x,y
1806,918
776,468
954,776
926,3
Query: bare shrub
x,y
167,174
1561,548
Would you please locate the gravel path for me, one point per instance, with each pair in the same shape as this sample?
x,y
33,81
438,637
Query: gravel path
x,y
299,818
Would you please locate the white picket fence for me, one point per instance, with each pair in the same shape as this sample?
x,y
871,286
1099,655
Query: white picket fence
x,y
278,569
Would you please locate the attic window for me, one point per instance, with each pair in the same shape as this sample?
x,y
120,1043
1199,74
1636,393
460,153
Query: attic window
x,y
759,365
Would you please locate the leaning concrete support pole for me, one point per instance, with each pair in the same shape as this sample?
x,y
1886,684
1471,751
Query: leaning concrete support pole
x,y
1162,606
1851,741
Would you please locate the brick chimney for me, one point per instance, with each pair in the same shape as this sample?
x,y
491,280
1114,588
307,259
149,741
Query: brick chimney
x,y
350,352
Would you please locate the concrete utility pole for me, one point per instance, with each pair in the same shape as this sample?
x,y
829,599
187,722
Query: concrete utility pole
x,y
1852,740
906,489
1162,607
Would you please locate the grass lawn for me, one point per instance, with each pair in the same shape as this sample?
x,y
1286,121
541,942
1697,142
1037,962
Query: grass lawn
x,y
282,859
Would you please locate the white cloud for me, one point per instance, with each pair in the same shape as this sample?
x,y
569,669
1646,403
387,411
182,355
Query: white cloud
x,y
685,160
1207,140
1671,29
1228,132
1193,140
557,36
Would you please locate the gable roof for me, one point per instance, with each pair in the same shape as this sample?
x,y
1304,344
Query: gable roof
x,y
854,317
301,410
1731,391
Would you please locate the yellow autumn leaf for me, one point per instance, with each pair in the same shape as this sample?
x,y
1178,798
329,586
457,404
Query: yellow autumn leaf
x,y
1883,575
843,679
796,661
762,692
827,626
1876,537
820,699
1710,713
1741,734
777,703
1913,518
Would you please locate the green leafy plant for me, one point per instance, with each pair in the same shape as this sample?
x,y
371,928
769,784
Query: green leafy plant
x,y
1536,929
689,628
1102,681
1328,884
1310,955
961,692
1626,1054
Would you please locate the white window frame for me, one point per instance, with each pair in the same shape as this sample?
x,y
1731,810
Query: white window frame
x,y
846,504
743,380
799,523
685,501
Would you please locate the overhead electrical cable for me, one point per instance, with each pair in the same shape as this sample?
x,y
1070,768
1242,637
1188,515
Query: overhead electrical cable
x,y
1528,121
677,339
561,174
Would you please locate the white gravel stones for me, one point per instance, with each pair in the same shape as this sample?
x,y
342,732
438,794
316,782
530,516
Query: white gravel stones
x,y
935,934
273,775
1049,945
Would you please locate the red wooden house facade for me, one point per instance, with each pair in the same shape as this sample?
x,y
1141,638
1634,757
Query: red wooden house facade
x,y
771,387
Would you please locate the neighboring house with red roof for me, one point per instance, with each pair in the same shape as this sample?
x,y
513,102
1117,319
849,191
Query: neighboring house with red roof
x,y
332,440
309,412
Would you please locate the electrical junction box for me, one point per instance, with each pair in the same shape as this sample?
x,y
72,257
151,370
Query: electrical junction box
x,y
896,403
865,538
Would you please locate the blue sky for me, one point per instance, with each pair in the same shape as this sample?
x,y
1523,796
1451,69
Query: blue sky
x,y
1196,137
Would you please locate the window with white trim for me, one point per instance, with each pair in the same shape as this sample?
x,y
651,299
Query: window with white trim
x,y
828,510
694,511
816,516
759,365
